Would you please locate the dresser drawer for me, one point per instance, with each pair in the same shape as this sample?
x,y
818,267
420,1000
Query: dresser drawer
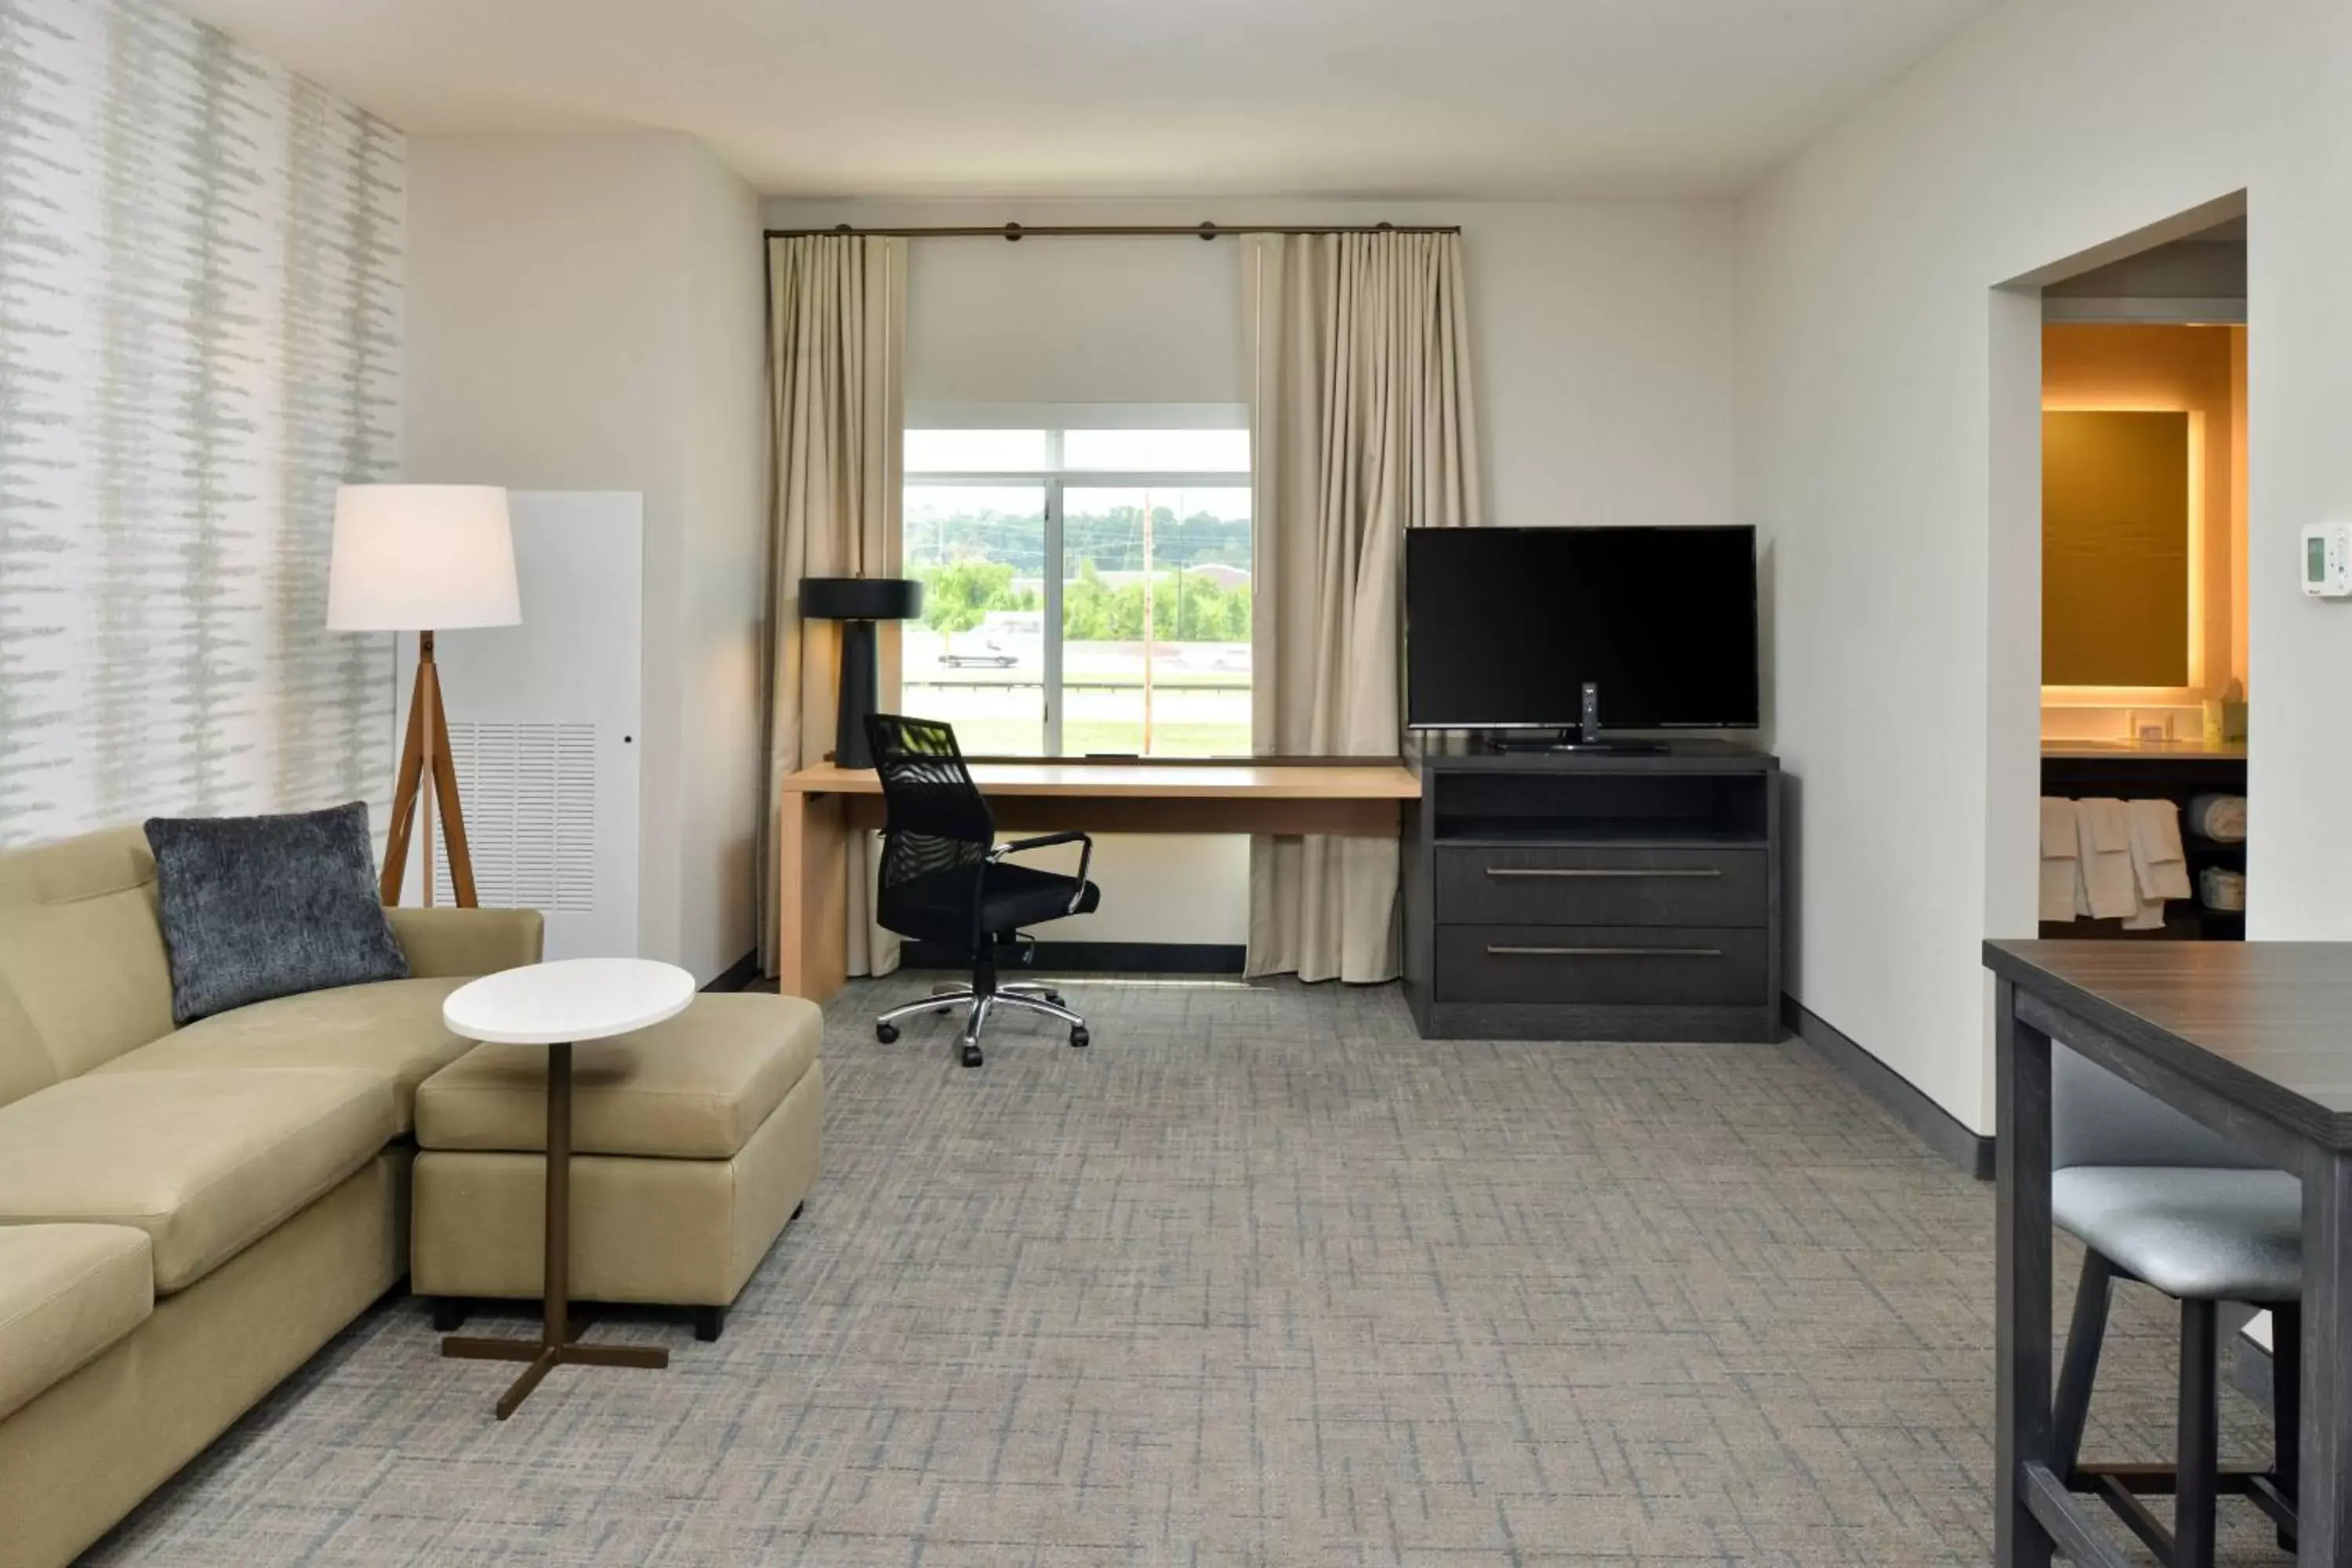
x,y
1682,966
1558,885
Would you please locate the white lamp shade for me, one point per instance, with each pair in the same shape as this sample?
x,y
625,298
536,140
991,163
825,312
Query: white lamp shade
x,y
412,558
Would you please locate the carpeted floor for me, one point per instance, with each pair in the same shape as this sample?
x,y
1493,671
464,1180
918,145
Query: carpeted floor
x,y
1259,1278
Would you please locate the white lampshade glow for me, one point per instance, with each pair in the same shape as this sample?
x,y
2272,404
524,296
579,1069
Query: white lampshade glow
x,y
411,558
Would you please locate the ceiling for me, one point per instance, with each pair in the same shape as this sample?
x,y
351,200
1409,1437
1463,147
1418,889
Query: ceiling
x,y
1075,97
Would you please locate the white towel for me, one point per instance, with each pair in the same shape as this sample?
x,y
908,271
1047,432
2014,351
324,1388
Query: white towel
x,y
2060,875
2059,880
2223,888
2221,818
2107,826
2160,868
2102,837
2058,830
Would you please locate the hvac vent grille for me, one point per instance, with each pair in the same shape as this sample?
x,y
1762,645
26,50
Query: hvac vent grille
x,y
530,794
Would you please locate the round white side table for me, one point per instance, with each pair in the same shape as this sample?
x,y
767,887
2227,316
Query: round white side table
x,y
556,1006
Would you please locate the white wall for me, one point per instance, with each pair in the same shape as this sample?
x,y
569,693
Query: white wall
x,y
1603,342
1887,446
1105,319
201,331
584,313
725,570
1603,330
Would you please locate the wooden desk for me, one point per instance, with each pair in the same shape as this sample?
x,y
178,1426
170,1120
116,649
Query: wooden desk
x,y
2249,1038
822,805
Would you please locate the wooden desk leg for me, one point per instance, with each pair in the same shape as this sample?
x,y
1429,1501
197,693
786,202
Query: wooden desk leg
x,y
812,878
2324,1501
557,1344
2022,1433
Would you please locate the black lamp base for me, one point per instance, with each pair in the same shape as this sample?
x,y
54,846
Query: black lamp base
x,y
860,681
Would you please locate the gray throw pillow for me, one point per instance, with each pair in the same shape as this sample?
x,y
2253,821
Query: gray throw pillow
x,y
257,907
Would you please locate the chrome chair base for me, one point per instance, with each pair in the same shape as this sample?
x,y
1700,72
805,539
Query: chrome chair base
x,y
1024,996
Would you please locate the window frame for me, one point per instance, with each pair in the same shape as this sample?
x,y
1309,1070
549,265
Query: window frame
x,y
1053,480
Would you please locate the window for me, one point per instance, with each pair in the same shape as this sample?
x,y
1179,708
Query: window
x,y
1087,590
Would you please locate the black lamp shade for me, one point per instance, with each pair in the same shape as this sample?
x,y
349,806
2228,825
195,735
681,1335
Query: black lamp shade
x,y
861,598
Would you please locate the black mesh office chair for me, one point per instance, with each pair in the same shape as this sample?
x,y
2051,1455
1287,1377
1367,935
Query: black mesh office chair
x,y
947,881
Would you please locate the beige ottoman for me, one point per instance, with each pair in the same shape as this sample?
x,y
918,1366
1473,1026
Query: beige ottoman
x,y
693,1143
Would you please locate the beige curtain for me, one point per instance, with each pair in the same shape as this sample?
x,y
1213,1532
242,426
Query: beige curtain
x,y
1361,425
837,321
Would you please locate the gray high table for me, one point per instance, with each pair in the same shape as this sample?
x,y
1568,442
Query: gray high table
x,y
2253,1039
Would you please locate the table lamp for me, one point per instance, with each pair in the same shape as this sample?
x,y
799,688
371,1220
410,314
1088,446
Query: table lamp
x,y
421,558
857,602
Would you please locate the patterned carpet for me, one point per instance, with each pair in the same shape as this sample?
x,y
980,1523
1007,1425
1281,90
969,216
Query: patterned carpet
x,y
1259,1278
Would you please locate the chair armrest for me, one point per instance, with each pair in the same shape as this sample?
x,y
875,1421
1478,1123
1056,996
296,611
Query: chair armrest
x,y
1043,841
443,941
1046,841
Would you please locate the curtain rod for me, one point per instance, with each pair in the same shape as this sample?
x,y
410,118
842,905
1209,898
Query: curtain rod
x,y
1201,231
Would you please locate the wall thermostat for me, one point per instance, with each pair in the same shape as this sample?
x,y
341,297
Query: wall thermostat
x,y
2328,559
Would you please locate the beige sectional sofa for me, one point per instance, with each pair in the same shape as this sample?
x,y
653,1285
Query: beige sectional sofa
x,y
185,1216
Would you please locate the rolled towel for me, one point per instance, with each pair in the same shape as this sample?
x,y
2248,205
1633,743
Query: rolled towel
x,y
2221,818
2060,875
2218,888
2160,868
2103,840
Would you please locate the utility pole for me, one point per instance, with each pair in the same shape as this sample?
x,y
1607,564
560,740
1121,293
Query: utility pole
x,y
1147,622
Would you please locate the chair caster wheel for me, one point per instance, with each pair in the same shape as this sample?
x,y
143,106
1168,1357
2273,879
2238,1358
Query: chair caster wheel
x,y
1056,998
1079,1039
972,1055
887,1033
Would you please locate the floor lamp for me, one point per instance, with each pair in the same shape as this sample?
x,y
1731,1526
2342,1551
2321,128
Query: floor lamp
x,y
421,558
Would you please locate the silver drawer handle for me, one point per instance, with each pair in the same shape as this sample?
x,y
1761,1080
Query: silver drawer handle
x,y
1499,952
1596,872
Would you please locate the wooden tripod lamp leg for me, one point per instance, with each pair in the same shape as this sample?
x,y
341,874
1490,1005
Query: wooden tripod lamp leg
x,y
403,795
453,814
428,688
424,755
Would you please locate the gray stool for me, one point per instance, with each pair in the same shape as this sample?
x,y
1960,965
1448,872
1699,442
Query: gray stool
x,y
2153,1197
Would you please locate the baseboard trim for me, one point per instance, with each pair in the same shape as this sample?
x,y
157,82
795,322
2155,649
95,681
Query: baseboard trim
x,y
1928,1121
1094,957
738,975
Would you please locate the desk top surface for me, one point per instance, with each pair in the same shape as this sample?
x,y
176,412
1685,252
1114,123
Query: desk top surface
x,y
2266,1023
1154,780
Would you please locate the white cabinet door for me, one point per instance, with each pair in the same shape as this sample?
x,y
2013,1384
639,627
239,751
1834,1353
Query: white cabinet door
x,y
544,724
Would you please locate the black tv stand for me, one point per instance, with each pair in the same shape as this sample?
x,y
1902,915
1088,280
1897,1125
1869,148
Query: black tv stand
x,y
1595,895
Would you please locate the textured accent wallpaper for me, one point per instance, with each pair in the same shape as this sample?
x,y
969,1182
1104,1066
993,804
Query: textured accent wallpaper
x,y
200,301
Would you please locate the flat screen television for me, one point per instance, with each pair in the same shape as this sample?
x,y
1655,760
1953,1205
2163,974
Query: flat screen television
x,y
1505,625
